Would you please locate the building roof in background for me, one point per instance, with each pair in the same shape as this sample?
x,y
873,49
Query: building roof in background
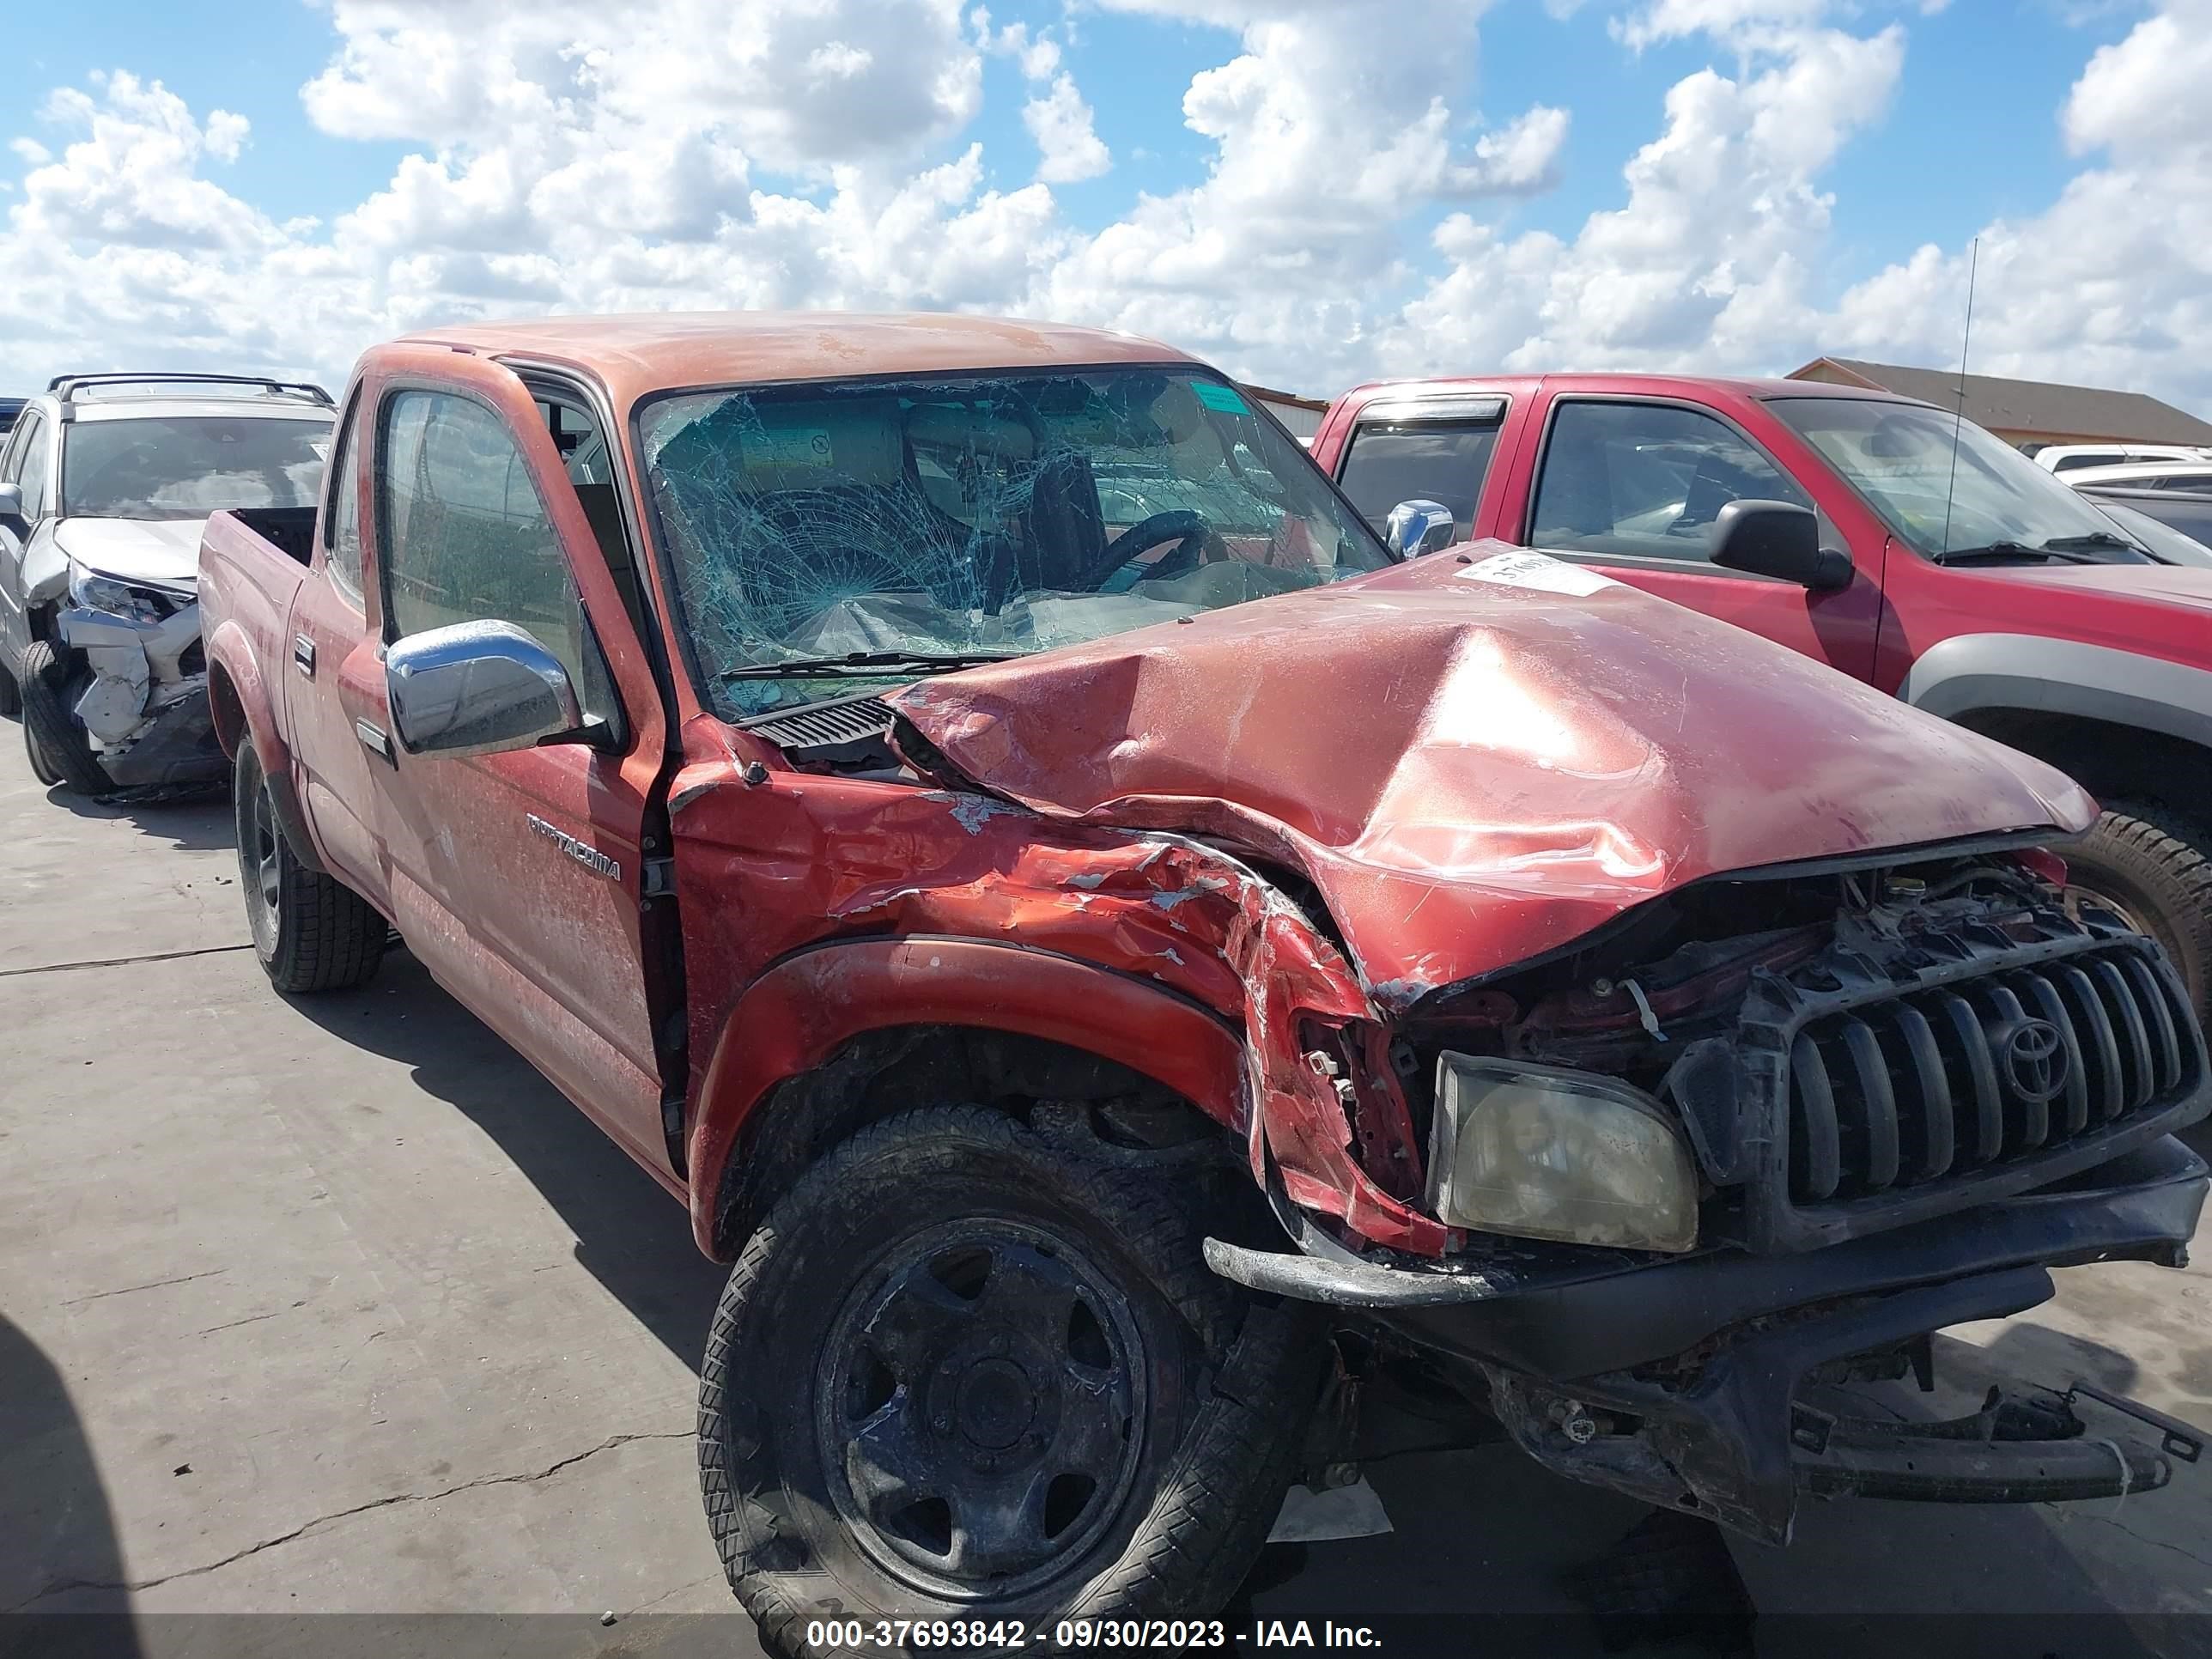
x,y
2027,406
1269,395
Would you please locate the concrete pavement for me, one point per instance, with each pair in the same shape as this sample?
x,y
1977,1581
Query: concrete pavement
x,y
333,1306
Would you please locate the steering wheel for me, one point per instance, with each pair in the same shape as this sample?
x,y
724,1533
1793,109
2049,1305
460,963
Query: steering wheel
x,y
1196,539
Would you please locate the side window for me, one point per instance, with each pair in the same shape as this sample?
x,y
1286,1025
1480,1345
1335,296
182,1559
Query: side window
x,y
32,465
1389,462
342,515
465,537
1645,479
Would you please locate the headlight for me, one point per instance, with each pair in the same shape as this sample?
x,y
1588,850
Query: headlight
x,y
90,591
1537,1152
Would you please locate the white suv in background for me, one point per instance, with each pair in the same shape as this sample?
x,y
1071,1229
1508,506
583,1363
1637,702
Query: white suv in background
x,y
2192,475
2068,458
105,484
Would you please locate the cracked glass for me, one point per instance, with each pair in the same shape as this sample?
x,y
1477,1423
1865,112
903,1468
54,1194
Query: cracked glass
x,y
976,516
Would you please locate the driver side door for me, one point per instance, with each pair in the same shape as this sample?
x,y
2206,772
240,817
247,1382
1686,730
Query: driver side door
x,y
518,878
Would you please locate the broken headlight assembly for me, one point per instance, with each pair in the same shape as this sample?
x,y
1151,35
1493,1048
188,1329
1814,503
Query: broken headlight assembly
x,y
1540,1152
133,601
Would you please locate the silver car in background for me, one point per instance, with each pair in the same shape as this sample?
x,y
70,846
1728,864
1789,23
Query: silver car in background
x,y
105,484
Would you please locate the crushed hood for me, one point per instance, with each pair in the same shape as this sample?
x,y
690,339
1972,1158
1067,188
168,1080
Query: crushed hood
x,y
164,552
1476,763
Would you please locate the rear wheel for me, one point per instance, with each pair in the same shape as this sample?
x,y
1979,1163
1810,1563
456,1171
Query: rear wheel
x,y
59,747
311,931
2154,867
972,1372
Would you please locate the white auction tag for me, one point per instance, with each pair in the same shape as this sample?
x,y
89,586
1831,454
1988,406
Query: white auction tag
x,y
1534,570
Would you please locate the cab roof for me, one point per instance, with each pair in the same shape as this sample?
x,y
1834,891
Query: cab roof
x,y
1740,387
634,356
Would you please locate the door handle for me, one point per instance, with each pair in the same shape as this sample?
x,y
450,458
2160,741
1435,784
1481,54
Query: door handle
x,y
303,655
373,739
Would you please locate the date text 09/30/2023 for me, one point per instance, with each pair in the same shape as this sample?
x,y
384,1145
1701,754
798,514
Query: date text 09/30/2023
x,y
1170,1635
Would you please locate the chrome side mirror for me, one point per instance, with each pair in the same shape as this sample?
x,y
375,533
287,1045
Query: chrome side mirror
x,y
11,509
1417,527
476,688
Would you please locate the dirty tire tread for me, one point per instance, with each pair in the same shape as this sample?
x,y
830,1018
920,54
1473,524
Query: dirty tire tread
x,y
2166,859
1214,1498
60,750
328,937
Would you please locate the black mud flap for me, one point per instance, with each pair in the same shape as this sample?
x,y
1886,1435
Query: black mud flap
x,y
2025,1446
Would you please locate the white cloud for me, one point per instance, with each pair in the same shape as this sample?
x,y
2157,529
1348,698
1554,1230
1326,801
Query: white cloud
x,y
1060,122
662,153
1704,261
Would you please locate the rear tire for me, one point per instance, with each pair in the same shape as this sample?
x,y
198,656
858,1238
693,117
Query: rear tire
x,y
2155,867
969,1370
11,695
310,931
59,747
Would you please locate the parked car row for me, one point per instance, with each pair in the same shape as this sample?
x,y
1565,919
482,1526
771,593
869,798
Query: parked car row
x,y
1136,950
105,483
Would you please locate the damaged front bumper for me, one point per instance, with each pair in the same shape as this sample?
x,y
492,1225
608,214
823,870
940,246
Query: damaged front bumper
x,y
1685,1381
146,705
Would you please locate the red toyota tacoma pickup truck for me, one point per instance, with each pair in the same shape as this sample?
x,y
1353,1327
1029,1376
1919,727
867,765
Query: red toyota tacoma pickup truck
x,y
1117,961
1931,560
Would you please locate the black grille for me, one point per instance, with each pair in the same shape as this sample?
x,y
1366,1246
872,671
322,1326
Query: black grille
x,y
1981,1072
828,725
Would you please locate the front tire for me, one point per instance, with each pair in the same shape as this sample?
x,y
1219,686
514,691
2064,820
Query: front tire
x,y
2155,867
59,748
310,931
968,1370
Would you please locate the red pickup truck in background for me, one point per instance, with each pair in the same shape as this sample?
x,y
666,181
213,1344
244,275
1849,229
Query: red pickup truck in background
x,y
1114,959
1927,558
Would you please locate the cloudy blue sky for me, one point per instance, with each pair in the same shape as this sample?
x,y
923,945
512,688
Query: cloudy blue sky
x,y
1309,191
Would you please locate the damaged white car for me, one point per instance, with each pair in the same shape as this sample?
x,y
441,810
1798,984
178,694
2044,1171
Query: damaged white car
x,y
105,484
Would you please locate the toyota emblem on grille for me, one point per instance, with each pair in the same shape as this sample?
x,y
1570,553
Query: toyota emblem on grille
x,y
2034,1059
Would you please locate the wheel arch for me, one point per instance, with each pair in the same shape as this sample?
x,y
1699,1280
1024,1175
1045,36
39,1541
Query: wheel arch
x,y
2119,723
841,1034
238,705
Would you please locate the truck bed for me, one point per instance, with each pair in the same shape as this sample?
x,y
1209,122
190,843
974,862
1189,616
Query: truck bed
x,y
252,563
291,529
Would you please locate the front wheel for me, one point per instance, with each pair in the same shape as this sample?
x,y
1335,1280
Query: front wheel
x,y
59,748
2153,868
970,1370
310,931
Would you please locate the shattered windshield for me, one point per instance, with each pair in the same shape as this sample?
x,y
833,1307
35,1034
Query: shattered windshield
x,y
929,522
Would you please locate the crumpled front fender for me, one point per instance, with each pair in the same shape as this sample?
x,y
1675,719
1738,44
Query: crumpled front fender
x,y
978,913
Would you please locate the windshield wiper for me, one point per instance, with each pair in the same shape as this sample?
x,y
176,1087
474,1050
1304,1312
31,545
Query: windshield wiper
x,y
857,663
2094,538
1992,551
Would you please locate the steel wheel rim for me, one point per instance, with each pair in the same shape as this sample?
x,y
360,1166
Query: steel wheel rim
x,y
977,1441
266,874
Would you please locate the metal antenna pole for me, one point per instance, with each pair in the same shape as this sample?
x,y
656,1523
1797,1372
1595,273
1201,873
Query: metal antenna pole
x,y
1958,426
